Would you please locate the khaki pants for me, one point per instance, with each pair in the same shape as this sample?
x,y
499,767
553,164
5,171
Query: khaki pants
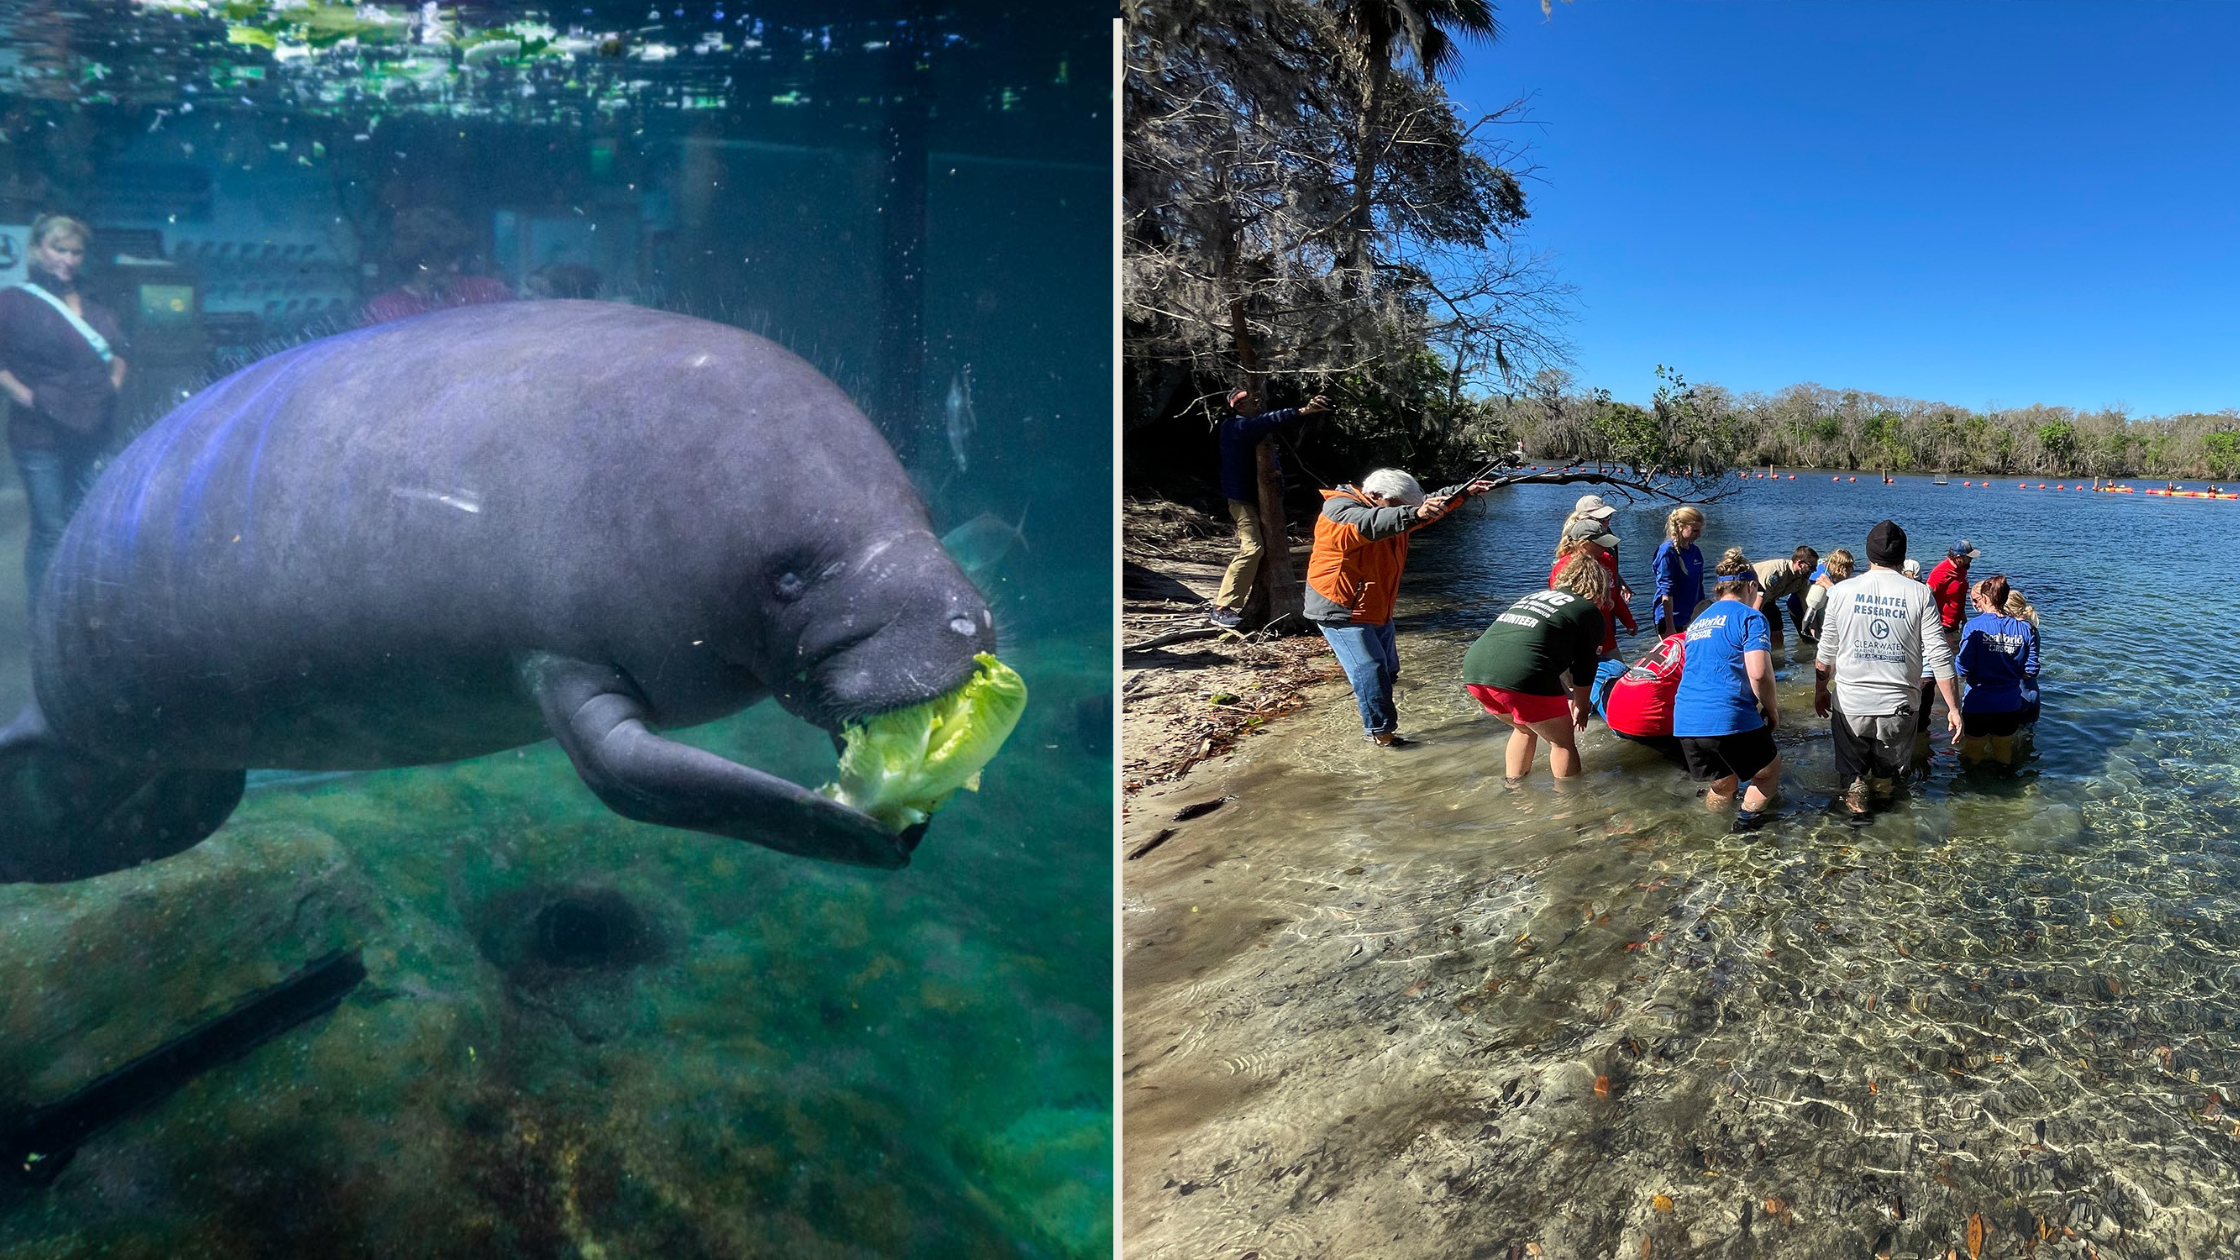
x,y
1236,584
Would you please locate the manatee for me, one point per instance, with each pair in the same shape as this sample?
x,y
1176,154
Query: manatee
x,y
470,531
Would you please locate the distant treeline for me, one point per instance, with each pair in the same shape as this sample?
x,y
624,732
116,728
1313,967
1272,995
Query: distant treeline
x,y
1811,426
1435,427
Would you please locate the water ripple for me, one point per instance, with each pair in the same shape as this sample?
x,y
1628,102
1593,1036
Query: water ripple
x,y
1427,1015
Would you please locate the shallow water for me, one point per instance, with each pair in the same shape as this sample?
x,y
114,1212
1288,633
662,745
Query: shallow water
x,y
1381,1005
581,1036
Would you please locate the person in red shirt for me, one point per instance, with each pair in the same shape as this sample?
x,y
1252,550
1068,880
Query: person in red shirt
x,y
429,246
1949,583
1638,706
1586,535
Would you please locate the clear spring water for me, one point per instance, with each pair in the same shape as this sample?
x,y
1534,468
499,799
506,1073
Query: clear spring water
x,y
1379,1005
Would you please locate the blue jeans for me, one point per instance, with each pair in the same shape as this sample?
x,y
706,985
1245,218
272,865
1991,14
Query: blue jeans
x,y
1371,660
55,481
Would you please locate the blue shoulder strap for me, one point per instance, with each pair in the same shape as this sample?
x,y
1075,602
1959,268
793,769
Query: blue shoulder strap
x,y
99,343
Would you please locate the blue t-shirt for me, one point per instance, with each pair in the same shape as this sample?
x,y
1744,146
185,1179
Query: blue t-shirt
x,y
1999,658
1715,697
1679,578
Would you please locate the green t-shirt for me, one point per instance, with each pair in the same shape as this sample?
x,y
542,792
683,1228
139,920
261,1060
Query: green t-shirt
x,y
1528,647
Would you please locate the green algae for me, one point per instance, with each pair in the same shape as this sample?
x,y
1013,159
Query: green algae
x,y
808,1060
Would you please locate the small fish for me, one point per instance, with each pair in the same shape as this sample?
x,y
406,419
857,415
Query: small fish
x,y
956,411
981,543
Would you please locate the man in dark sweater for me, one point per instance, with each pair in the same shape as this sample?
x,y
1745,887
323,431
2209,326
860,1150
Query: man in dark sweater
x,y
1240,436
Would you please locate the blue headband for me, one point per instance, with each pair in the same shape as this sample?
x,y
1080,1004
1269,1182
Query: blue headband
x,y
1747,575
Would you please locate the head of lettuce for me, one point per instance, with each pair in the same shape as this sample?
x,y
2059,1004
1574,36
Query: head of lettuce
x,y
900,767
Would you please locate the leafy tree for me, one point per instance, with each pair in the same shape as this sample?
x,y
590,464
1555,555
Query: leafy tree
x,y
2058,439
2223,452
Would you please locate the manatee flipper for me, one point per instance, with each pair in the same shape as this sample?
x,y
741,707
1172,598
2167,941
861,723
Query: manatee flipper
x,y
65,815
600,720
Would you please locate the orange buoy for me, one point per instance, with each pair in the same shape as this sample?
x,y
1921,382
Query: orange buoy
x,y
1792,476
1835,478
2020,486
2056,487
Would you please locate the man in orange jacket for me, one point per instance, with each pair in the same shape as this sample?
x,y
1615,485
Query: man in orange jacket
x,y
1360,548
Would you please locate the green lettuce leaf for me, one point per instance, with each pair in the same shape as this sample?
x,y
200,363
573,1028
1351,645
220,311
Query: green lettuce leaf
x,y
900,767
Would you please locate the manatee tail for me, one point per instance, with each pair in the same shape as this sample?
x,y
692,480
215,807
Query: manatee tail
x,y
65,815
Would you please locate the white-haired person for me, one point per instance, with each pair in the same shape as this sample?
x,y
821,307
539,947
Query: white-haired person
x,y
1360,549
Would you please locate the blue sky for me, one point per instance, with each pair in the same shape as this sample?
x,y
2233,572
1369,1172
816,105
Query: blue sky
x,y
1982,204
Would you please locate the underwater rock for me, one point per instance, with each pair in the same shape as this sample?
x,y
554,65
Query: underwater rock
x,y
573,952
94,973
1049,1171
550,1057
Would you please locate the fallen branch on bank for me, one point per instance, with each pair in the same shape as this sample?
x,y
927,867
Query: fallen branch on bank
x,y
1177,636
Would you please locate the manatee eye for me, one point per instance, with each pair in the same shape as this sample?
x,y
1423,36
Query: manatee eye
x,y
790,585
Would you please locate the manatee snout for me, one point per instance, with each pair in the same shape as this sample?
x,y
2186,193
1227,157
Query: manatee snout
x,y
908,633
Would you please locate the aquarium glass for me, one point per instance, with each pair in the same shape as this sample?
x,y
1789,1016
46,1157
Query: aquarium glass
x,y
450,1006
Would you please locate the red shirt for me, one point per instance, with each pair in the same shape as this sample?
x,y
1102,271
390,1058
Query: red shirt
x,y
1641,702
461,291
1950,586
1617,611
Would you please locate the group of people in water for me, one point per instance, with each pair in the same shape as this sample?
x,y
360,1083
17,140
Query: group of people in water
x,y
1888,642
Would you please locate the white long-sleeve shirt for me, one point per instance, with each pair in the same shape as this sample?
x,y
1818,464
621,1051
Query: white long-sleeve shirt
x,y
1881,629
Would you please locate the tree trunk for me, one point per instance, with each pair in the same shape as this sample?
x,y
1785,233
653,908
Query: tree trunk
x,y
1276,595
1358,220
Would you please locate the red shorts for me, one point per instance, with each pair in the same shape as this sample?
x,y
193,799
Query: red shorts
x,y
1518,706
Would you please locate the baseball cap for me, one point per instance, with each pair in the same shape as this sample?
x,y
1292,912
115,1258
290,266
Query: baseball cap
x,y
1593,531
1962,548
1886,544
1912,567
1592,505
